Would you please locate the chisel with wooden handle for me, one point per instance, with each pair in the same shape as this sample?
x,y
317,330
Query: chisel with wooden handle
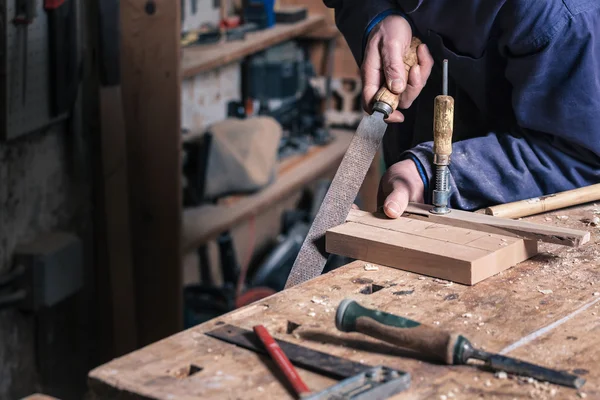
x,y
450,348
347,181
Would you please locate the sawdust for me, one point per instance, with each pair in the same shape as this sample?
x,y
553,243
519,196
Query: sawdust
x,y
322,300
545,291
371,267
501,375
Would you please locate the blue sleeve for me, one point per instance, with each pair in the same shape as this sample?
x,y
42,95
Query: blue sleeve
x,y
555,145
356,19
501,167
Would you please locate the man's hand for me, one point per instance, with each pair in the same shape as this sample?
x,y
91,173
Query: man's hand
x,y
399,185
384,63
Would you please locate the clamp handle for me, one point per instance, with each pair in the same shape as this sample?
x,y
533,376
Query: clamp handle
x,y
386,101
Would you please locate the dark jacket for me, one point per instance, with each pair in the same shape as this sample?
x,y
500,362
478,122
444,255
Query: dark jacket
x,y
525,75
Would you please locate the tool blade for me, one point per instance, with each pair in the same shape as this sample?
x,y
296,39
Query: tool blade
x,y
518,367
339,198
303,357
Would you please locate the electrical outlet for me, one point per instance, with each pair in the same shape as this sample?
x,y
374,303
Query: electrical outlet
x,y
53,269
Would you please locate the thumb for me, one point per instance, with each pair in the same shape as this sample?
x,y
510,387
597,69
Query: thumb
x,y
395,203
393,65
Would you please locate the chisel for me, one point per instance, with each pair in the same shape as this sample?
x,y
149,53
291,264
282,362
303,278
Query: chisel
x,y
347,181
448,347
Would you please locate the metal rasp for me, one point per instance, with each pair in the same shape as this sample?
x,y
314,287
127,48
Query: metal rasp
x,y
347,181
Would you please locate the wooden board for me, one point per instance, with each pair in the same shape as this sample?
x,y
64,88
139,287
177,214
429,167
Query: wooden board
x,y
198,59
503,226
506,313
151,87
115,221
204,223
456,254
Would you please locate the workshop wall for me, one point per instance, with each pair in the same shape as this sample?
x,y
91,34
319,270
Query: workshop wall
x,y
204,97
39,192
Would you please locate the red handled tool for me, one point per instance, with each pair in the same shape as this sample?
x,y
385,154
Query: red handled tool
x,y
281,360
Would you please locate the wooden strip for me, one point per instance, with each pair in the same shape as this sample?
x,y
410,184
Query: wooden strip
x,y
417,227
542,204
490,224
203,58
151,87
207,222
115,220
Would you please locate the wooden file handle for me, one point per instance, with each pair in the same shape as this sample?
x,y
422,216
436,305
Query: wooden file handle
x,y
399,331
551,202
384,95
443,122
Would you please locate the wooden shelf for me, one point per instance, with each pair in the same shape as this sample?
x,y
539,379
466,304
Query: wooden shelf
x,y
198,59
205,223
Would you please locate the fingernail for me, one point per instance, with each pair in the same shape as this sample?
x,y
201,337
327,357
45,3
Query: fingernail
x,y
397,85
392,208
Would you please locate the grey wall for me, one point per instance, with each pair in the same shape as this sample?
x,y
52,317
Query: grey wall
x,y
43,187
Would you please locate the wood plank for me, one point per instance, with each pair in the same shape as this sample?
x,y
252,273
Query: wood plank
x,y
446,256
204,223
198,59
116,221
151,87
490,224
498,313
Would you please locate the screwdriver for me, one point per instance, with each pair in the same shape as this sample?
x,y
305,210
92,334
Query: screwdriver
x,y
447,347
443,122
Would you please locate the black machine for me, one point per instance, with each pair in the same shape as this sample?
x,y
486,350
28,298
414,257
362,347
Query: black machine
x,y
278,80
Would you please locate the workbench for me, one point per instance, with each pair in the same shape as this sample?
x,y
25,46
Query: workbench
x,y
544,310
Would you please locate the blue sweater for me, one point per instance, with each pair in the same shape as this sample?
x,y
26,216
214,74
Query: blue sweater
x,y
525,76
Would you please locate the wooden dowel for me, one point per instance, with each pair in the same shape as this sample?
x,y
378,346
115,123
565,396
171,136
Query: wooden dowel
x,y
542,204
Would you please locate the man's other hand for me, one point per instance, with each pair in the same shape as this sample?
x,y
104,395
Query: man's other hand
x,y
384,63
400,184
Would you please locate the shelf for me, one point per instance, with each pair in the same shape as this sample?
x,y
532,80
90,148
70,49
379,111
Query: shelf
x,y
205,223
197,59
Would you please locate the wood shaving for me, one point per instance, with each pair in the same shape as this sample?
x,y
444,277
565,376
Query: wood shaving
x,y
501,375
545,291
319,300
371,267
596,293
562,217
488,383
311,314
422,278
467,315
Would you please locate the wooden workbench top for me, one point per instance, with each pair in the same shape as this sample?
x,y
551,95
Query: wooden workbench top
x,y
544,311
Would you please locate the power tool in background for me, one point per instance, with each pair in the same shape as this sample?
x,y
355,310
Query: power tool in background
x,y
278,82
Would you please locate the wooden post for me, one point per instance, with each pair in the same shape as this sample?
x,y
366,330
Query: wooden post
x,y
151,86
